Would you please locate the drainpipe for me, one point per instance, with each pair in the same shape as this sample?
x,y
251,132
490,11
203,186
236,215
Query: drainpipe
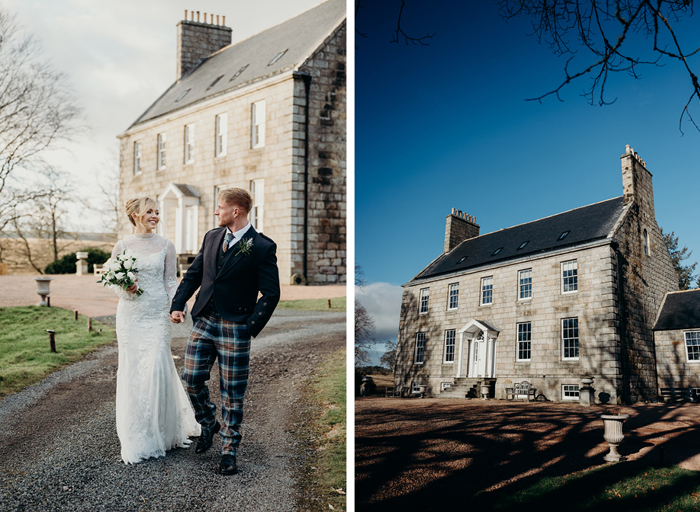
x,y
307,86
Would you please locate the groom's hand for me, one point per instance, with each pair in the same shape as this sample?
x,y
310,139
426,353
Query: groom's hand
x,y
178,317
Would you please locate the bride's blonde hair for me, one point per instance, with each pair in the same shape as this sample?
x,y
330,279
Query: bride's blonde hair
x,y
139,207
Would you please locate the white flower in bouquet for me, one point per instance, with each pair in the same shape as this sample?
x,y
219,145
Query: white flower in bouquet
x,y
122,272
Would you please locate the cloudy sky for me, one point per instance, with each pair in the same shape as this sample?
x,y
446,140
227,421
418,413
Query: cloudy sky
x,y
119,58
447,126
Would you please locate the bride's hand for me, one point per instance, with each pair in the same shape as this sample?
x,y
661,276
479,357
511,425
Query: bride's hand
x,y
134,287
177,317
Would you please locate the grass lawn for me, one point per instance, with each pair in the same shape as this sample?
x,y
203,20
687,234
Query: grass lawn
x,y
25,355
624,486
328,473
337,304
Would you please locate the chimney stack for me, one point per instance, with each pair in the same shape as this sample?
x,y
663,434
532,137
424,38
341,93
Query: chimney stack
x,y
459,227
198,40
637,182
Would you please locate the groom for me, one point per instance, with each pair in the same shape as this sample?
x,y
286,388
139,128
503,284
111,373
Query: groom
x,y
234,266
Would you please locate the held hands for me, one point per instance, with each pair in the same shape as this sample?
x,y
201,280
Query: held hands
x,y
178,317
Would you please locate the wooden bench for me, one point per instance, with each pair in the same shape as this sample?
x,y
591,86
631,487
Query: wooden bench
x,y
679,395
521,390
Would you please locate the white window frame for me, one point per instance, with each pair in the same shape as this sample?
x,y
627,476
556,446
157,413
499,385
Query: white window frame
x,y
415,387
486,288
160,157
420,348
257,211
569,283
137,157
257,117
445,385
452,293
525,288
450,345
423,301
220,134
524,337
695,337
564,340
189,143
573,392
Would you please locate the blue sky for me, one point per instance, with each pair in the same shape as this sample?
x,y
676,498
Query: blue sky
x,y
447,125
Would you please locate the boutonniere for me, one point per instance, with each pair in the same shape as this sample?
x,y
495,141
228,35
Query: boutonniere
x,y
245,246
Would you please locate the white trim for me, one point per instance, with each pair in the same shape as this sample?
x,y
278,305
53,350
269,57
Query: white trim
x,y
481,291
561,276
138,157
188,144
517,342
520,298
220,134
427,301
685,344
449,296
578,339
415,352
161,151
258,118
571,398
454,347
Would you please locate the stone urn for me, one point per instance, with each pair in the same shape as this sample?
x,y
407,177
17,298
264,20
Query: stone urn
x,y
612,424
422,390
485,391
43,288
586,392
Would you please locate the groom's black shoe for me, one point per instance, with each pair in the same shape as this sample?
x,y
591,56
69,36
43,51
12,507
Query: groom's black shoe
x,y
205,439
228,466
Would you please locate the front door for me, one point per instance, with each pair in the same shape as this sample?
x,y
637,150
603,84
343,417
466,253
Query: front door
x,y
480,355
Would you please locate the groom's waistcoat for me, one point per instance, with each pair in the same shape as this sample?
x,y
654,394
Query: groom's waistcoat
x,y
233,280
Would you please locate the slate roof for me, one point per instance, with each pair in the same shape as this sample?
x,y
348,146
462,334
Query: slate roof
x,y
585,224
679,310
299,36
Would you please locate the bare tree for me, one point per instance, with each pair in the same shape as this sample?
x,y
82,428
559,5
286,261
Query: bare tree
x,y
364,325
37,109
609,32
388,359
399,34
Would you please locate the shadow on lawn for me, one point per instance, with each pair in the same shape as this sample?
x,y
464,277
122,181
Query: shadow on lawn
x,y
428,457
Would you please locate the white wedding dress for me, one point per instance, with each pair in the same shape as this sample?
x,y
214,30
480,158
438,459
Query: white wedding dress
x,y
154,413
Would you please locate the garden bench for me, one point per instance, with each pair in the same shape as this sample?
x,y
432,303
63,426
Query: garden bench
x,y
522,390
678,394
98,270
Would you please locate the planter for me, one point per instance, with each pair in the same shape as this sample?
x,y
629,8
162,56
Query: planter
x,y
612,433
485,391
422,390
586,381
43,288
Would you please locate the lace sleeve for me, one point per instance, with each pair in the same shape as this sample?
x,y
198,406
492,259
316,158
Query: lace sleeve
x,y
122,294
170,271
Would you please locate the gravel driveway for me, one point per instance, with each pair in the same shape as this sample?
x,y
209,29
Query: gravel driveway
x,y
59,448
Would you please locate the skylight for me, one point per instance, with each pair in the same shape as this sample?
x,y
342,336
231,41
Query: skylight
x,y
277,57
461,260
497,251
184,93
215,81
563,236
238,73
522,245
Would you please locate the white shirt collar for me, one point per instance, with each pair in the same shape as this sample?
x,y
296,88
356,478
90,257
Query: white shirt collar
x,y
238,234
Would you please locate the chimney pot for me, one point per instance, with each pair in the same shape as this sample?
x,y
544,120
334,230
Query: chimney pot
x,y
185,14
197,16
205,17
223,20
217,19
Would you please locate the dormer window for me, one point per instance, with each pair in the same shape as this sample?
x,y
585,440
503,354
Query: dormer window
x,y
563,236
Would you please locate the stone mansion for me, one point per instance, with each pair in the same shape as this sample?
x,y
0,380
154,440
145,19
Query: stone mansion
x,y
267,114
588,292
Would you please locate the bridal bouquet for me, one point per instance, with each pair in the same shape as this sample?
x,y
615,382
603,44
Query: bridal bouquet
x,y
121,271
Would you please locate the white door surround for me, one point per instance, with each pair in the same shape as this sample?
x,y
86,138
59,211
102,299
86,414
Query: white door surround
x,y
480,337
184,200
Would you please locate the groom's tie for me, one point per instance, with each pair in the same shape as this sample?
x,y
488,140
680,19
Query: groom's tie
x,y
227,240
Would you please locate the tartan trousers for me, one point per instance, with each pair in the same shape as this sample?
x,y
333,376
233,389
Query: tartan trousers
x,y
212,338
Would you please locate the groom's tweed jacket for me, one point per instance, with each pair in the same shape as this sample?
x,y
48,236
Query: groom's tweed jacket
x,y
233,280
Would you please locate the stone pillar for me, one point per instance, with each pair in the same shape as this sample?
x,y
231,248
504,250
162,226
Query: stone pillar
x,y
81,266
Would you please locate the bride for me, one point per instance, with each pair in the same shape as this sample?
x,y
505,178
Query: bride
x,y
153,412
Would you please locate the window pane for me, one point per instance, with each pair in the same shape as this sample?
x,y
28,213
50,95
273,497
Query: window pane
x,y
570,338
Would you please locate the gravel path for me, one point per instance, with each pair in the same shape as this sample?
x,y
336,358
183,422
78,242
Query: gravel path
x,y
59,448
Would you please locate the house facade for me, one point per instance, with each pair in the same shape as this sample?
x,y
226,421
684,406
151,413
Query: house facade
x,y
267,114
550,301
